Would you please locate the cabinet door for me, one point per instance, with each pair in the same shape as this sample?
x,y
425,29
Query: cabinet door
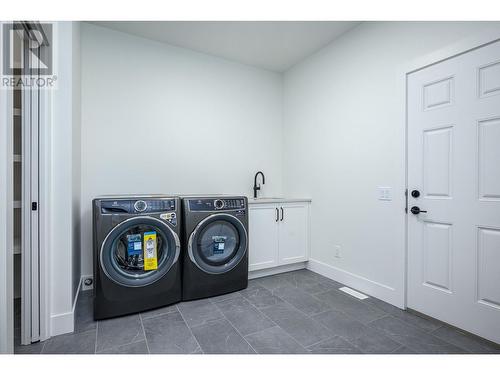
x,y
293,233
263,237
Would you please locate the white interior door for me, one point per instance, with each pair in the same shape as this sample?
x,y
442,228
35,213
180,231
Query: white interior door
x,y
454,163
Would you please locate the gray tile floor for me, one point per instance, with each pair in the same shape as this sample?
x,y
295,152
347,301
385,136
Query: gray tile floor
x,y
297,312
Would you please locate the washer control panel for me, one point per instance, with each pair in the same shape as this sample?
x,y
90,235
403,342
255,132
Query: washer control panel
x,y
137,206
140,206
217,204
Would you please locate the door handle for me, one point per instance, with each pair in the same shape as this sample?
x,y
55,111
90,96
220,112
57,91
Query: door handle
x,y
277,214
282,214
416,210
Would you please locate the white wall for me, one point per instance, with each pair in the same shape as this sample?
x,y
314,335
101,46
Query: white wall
x,y
64,179
344,112
161,119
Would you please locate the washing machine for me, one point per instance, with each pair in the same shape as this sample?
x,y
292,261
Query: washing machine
x,y
136,254
215,246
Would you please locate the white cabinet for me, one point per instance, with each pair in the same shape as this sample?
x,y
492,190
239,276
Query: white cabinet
x,y
279,234
293,233
263,237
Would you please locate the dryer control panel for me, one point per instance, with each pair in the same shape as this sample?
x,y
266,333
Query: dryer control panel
x,y
222,204
137,206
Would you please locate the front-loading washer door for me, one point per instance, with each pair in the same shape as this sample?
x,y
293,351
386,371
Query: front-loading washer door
x,y
218,243
122,252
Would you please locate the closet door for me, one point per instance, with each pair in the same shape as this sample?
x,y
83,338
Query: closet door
x,y
30,285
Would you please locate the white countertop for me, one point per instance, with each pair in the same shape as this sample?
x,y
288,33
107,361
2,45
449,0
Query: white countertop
x,y
264,200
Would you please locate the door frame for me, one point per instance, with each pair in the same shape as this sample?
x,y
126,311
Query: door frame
x,y
481,39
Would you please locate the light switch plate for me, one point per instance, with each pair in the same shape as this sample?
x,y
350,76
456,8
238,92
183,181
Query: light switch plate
x,y
384,193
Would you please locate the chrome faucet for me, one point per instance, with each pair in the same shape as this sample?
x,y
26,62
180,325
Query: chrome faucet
x,y
255,187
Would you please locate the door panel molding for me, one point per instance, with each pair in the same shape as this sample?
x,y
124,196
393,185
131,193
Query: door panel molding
x,y
437,266
490,71
488,266
438,94
437,168
488,158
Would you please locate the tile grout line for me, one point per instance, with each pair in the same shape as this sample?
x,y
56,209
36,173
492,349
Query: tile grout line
x,y
343,338
380,317
157,316
422,331
303,313
363,301
243,337
288,303
205,322
286,333
321,324
276,324
435,329
144,333
43,345
385,313
392,315
190,330
120,346
431,333
309,294
350,340
294,308
399,347
329,330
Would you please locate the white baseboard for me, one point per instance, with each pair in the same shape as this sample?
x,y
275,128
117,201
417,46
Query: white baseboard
x,y
370,287
65,322
62,323
276,270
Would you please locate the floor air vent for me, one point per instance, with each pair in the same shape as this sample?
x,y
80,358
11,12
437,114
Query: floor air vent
x,y
353,293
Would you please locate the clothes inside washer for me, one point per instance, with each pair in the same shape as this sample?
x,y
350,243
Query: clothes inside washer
x,y
129,253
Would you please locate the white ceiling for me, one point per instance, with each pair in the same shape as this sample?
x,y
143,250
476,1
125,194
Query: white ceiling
x,y
272,45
